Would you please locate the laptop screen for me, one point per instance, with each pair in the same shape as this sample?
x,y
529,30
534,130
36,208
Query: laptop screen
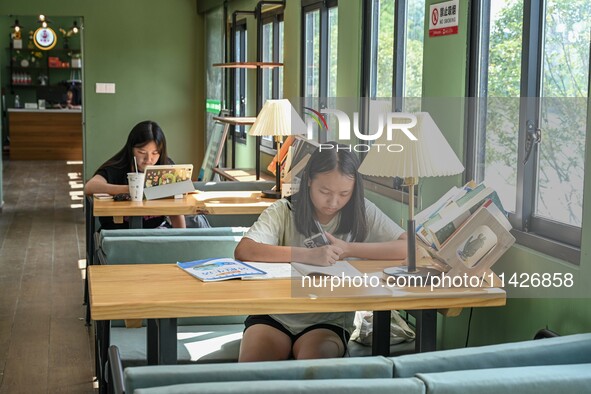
x,y
167,174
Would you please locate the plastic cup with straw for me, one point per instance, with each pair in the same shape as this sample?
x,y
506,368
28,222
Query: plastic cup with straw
x,y
136,183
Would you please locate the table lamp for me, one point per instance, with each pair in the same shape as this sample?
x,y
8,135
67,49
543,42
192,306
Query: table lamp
x,y
428,156
277,118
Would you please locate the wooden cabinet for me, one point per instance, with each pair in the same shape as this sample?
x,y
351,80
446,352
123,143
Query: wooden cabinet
x,y
45,134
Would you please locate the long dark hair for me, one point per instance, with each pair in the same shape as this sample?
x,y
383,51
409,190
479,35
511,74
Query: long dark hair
x,y
141,134
324,159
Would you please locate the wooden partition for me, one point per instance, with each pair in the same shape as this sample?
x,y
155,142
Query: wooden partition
x,y
45,134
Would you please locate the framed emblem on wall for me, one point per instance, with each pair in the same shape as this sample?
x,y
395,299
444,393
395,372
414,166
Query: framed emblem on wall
x,y
45,38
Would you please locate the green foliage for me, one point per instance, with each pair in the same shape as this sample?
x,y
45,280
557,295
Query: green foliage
x,y
565,76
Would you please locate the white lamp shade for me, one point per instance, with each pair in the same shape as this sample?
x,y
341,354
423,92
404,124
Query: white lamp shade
x,y
278,117
430,155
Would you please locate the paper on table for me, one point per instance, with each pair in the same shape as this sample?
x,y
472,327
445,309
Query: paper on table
x,y
337,269
273,271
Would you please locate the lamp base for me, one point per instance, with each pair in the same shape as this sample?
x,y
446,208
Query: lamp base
x,y
421,276
271,194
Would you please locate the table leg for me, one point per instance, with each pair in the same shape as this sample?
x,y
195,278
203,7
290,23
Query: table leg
x,y
381,334
161,341
136,222
426,330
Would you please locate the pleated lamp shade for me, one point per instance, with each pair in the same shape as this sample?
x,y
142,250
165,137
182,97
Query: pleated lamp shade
x,y
278,118
430,155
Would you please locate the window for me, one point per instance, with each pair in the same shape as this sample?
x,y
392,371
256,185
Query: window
x,y
531,149
272,51
392,67
319,57
239,78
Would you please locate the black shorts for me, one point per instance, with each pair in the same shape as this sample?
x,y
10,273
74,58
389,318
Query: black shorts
x,y
343,334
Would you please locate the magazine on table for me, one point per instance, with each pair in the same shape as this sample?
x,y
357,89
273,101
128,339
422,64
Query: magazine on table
x,y
478,243
210,270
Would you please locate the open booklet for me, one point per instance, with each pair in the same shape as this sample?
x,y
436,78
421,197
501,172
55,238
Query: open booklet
x,y
297,270
210,270
217,269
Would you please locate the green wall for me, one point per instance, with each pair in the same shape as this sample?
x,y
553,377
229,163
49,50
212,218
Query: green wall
x,y
151,51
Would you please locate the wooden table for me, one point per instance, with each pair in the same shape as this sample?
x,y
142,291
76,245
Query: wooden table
x,y
242,174
162,293
210,203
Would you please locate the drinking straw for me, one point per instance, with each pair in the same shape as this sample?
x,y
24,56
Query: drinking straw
x,y
135,163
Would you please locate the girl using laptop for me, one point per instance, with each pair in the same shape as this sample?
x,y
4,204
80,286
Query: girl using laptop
x,y
331,194
146,142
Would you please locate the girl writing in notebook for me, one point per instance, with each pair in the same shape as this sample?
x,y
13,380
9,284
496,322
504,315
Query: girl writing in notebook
x,y
330,195
147,144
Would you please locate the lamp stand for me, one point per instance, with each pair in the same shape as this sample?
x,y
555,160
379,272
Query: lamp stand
x,y
411,270
277,192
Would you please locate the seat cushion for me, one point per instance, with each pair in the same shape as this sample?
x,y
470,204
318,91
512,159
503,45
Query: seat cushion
x,y
329,386
342,368
551,379
198,343
174,232
355,349
157,249
571,349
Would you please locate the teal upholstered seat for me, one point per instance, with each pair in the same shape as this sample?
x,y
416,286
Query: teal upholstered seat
x,y
343,386
550,379
553,365
571,349
344,368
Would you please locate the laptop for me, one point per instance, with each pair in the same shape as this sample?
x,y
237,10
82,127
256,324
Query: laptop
x,y
168,180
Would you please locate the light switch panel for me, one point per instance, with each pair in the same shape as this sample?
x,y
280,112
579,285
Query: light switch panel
x,y
105,88
110,88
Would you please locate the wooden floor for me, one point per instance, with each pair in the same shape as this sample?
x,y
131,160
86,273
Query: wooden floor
x,y
45,346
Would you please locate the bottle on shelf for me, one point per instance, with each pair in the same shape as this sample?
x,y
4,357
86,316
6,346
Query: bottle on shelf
x,y
17,101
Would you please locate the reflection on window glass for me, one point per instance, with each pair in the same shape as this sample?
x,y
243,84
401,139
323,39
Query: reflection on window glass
x,y
413,59
333,35
565,80
267,57
240,76
382,69
312,54
502,115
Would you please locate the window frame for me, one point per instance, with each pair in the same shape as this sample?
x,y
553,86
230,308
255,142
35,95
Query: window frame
x,y
392,188
550,237
240,27
323,6
274,17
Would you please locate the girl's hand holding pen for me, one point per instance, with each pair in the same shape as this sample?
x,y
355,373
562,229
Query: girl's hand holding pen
x,y
343,245
324,255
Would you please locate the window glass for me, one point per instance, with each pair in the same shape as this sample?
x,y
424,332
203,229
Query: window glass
x,y
312,54
503,87
565,80
333,39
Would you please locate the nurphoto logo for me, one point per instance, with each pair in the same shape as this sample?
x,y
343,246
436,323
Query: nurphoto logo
x,y
391,122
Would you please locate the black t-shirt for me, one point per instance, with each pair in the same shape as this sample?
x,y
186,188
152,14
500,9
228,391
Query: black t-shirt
x,y
118,176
